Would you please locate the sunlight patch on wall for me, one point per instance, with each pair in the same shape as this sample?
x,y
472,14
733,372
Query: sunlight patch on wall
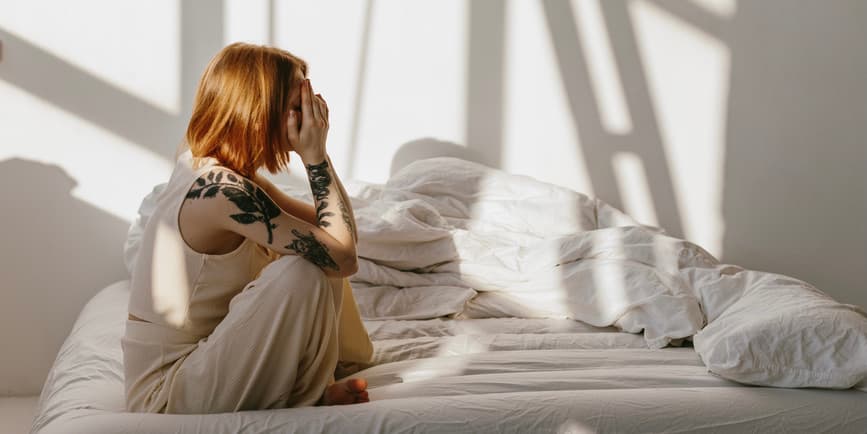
x,y
112,174
539,134
722,8
130,45
634,191
329,38
688,77
246,21
604,76
414,83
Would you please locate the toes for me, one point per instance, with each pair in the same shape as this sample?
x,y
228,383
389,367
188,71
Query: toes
x,y
362,397
357,384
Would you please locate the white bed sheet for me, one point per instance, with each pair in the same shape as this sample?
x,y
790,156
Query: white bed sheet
x,y
463,376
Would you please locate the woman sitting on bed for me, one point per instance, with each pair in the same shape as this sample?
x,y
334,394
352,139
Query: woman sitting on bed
x,y
236,295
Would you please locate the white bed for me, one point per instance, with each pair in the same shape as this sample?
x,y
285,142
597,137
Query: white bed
x,y
464,376
497,303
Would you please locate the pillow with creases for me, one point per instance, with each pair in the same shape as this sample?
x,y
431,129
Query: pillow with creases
x,y
786,333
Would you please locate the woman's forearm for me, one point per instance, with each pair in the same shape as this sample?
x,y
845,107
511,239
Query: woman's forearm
x,y
347,213
333,210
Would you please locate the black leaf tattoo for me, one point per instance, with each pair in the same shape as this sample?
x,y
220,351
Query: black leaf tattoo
x,y
347,220
321,214
245,218
212,191
308,247
255,204
320,180
271,208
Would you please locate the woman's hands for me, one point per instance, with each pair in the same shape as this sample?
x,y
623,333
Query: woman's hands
x,y
308,130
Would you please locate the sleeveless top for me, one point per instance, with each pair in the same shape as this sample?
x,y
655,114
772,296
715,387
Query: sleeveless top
x,y
176,286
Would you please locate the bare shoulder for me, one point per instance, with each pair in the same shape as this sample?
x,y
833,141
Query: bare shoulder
x,y
247,199
217,194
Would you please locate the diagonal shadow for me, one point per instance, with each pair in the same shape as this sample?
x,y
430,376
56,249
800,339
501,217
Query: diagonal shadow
x,y
598,145
202,36
76,91
58,252
485,79
359,90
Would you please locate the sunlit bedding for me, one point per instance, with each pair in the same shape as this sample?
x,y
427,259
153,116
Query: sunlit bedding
x,y
498,303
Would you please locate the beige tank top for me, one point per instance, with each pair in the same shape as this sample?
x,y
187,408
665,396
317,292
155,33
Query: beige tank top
x,y
176,286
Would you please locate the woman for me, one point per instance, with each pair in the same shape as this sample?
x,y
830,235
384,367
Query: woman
x,y
237,290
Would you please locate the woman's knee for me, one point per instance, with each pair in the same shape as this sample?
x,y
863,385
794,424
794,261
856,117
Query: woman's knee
x,y
290,273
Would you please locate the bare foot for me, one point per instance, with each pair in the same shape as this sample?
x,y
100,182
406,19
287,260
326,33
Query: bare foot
x,y
352,391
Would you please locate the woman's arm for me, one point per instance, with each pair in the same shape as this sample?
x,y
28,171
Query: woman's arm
x,y
293,206
333,209
234,203
347,214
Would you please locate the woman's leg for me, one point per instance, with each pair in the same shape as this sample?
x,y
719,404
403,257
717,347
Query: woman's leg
x,y
276,348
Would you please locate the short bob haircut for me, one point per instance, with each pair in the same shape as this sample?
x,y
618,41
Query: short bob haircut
x,y
239,113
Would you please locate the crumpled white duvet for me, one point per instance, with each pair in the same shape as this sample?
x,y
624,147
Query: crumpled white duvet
x,y
473,241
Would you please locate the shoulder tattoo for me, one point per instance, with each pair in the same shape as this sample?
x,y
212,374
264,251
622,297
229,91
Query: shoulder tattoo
x,y
255,206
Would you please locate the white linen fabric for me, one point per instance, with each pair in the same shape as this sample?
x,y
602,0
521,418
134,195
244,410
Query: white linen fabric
x,y
785,333
504,375
444,237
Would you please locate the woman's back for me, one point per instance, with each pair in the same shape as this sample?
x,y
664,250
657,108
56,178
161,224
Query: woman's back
x,y
173,284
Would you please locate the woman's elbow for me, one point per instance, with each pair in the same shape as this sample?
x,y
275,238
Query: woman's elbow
x,y
346,266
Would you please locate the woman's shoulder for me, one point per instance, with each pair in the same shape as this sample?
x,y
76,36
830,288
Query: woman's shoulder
x,y
220,190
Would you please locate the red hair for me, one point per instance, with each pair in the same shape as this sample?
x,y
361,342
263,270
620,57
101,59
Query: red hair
x,y
239,113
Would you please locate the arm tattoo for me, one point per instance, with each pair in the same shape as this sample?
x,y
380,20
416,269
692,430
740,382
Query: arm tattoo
x,y
255,205
308,247
321,214
347,220
320,180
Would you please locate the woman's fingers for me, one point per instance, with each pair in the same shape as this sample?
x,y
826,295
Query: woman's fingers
x,y
323,107
317,108
314,104
306,102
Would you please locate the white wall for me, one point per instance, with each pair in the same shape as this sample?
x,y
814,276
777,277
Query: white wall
x,y
738,125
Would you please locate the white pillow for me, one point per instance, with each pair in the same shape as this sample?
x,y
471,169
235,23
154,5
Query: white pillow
x,y
786,333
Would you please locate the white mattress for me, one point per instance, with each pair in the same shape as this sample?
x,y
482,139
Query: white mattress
x,y
463,376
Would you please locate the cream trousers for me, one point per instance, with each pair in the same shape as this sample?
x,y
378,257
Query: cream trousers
x,y
277,347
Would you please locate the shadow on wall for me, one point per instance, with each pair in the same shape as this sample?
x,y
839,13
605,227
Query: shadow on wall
x,y
795,196
62,251
55,80
428,147
598,144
